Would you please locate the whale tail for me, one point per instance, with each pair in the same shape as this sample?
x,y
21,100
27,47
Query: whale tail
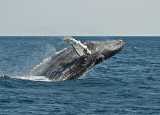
x,y
80,48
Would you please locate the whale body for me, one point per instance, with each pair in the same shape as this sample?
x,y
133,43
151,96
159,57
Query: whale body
x,y
71,63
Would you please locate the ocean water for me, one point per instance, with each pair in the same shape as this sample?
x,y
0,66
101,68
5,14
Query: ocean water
x,y
127,83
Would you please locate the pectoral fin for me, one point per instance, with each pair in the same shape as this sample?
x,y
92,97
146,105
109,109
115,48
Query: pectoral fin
x,y
80,48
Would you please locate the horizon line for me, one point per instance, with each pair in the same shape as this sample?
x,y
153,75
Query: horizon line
x,y
81,36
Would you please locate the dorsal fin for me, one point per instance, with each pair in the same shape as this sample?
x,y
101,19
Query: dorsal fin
x,y
80,48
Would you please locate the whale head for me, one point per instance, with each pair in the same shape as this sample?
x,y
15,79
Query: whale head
x,y
104,50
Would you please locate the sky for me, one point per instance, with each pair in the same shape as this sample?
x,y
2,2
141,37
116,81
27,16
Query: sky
x,y
79,18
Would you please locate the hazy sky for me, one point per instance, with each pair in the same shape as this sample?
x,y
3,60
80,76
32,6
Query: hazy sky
x,y
79,17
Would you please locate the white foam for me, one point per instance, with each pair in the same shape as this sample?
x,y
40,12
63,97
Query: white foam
x,y
33,78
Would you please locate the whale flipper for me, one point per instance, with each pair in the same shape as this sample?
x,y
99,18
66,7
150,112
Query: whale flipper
x,y
80,48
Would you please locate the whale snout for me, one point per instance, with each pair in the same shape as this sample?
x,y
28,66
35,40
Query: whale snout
x,y
119,44
112,47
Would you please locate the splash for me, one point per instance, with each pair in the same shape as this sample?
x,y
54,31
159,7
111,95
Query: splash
x,y
39,66
33,78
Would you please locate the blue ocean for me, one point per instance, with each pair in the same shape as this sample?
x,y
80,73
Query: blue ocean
x,y
127,83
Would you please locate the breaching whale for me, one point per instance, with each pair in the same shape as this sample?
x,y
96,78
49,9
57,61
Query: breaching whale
x,y
74,61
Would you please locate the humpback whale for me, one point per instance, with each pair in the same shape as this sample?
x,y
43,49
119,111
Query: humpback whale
x,y
74,61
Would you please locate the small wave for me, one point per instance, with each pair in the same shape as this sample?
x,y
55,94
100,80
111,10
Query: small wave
x,y
103,66
33,78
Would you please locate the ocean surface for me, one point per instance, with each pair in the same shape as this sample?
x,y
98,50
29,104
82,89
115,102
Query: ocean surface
x,y
127,83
